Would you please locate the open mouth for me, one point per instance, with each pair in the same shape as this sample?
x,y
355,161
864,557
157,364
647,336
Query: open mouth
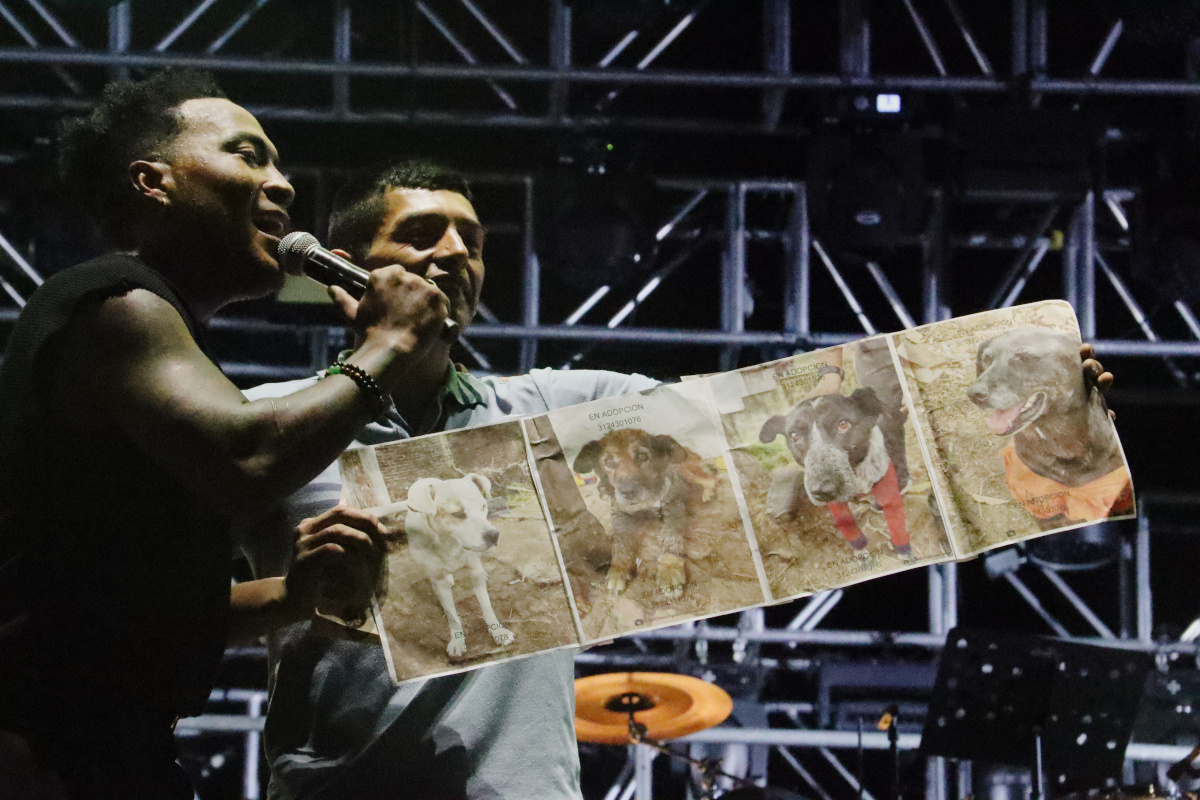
x,y
1004,421
272,224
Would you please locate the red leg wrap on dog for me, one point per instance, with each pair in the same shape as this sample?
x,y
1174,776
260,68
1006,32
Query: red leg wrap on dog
x,y
887,492
846,524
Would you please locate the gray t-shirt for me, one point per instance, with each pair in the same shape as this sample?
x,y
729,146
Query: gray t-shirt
x,y
336,725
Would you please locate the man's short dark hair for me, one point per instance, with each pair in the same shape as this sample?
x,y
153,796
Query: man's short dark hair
x,y
133,120
359,207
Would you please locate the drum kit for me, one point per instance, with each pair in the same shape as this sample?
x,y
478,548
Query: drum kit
x,y
651,708
1063,709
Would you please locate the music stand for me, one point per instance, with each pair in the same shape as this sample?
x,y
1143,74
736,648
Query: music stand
x,y
1017,699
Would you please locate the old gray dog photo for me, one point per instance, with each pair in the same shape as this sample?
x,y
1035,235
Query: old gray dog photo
x,y
1028,446
472,572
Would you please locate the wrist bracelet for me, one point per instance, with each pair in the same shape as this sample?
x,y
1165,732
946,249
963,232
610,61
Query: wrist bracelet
x,y
365,382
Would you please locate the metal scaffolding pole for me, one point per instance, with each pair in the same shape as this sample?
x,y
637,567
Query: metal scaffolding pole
x,y
733,274
546,74
933,267
120,33
1020,37
643,772
926,38
1079,276
1039,37
15,255
1036,604
855,39
798,254
237,25
495,32
985,66
1027,261
342,38
1106,49
182,28
30,40
777,56
889,292
1145,600
1138,315
441,27
55,25
560,56
851,300
532,284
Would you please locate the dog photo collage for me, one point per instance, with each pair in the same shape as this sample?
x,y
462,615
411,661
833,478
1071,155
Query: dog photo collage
x,y
735,490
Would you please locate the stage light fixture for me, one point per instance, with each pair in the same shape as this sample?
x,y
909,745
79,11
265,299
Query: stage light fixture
x,y
866,190
887,103
593,224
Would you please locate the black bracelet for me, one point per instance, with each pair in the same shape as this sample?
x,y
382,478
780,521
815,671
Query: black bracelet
x,y
365,382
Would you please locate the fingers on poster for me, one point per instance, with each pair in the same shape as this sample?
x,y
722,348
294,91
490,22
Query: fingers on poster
x,y
473,575
1026,444
653,470
832,469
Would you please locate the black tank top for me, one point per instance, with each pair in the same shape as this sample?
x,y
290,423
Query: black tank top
x,y
114,580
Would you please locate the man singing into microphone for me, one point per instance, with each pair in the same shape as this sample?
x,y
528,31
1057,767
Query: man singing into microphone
x,y
124,451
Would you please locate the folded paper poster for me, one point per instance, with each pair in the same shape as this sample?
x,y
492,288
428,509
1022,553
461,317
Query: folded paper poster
x,y
734,490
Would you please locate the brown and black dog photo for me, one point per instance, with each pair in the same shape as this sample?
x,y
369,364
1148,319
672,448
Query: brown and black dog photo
x,y
831,469
651,469
655,486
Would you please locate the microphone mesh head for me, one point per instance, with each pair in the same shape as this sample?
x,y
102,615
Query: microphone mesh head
x,y
293,248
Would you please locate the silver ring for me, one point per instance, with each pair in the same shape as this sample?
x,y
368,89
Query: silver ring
x,y
432,282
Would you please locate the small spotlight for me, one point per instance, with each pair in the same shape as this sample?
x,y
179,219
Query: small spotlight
x,y
887,103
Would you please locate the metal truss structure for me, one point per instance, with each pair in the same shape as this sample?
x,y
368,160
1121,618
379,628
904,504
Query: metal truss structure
x,y
479,45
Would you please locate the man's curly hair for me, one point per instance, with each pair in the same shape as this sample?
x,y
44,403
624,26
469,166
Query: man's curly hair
x,y
133,120
359,207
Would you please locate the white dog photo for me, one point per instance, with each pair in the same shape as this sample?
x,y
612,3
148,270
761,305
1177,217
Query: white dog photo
x,y
468,549
448,528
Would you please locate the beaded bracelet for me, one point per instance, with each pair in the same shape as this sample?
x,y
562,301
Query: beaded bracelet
x,y
365,382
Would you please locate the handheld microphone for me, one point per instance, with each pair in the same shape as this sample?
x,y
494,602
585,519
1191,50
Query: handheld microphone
x,y
324,266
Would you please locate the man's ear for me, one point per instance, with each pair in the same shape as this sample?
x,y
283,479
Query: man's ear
x,y
152,179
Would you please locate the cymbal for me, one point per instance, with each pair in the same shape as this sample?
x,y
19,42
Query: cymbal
x,y
668,705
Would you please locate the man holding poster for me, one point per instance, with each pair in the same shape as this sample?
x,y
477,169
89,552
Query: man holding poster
x,y
338,726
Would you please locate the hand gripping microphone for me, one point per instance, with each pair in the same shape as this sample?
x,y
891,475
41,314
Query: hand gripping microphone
x,y
323,266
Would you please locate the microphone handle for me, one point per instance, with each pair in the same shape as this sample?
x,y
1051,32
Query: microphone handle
x,y
324,267
336,272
